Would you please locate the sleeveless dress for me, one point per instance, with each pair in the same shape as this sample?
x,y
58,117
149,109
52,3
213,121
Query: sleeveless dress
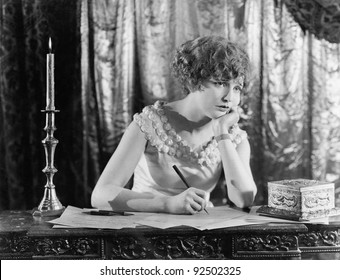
x,y
154,173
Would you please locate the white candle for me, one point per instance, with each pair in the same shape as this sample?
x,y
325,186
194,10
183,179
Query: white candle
x,y
50,78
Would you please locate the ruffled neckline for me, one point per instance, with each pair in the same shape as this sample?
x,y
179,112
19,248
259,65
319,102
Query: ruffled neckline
x,y
163,136
172,143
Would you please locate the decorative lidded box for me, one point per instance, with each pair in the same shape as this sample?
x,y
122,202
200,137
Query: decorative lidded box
x,y
300,199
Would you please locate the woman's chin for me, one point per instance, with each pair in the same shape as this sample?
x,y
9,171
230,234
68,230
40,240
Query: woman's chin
x,y
216,115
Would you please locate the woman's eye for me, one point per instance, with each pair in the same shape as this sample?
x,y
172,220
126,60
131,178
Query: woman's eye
x,y
239,89
219,84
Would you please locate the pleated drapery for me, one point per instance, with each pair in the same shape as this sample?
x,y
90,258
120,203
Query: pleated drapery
x,y
25,27
285,111
320,17
112,58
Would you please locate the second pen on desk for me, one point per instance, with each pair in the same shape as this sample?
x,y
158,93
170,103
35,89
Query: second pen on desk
x,y
184,181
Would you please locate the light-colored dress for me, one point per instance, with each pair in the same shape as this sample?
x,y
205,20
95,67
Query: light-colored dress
x,y
154,173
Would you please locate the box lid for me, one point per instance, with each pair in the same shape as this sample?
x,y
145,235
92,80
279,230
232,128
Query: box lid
x,y
301,184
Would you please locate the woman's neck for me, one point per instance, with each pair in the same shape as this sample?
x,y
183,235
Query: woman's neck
x,y
185,115
189,108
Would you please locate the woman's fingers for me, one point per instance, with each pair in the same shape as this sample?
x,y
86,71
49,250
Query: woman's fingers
x,y
197,198
201,202
192,207
222,124
189,209
196,206
233,115
190,201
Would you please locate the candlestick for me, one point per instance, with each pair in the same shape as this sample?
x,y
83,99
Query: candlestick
x,y
50,204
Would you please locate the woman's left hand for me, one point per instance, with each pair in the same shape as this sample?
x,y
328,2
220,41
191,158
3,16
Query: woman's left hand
x,y
222,124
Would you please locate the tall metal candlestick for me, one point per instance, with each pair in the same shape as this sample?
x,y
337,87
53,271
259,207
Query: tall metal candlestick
x,y
50,204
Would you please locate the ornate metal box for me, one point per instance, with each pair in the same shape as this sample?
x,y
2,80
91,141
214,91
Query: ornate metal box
x,y
301,195
301,198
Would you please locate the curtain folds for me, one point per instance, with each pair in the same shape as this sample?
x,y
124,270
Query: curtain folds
x,y
284,101
112,59
108,81
320,17
25,26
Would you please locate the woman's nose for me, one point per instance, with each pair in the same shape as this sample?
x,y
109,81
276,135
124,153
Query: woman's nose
x,y
228,95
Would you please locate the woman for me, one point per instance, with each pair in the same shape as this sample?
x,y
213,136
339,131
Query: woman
x,y
199,134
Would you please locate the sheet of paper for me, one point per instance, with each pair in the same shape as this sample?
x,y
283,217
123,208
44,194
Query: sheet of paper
x,y
240,221
218,217
76,217
200,221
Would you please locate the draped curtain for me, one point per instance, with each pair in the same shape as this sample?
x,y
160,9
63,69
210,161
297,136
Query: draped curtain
x,y
25,26
112,58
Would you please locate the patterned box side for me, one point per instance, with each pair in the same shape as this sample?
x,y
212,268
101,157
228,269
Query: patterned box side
x,y
320,199
284,198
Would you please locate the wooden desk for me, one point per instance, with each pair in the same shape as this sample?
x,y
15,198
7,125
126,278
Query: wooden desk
x,y
23,236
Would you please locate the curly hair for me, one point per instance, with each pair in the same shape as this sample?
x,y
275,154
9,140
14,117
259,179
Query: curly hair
x,y
210,57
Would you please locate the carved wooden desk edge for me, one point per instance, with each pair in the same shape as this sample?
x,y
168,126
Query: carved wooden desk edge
x,y
175,243
23,236
321,240
276,241
28,237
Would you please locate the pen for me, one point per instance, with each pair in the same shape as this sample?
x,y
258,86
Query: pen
x,y
184,181
108,213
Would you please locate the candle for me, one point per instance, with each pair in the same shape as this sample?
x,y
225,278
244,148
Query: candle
x,y
50,78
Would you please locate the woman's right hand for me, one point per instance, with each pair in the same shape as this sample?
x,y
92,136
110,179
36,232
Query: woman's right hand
x,y
190,201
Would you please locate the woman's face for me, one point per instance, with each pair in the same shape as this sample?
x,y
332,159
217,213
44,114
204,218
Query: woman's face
x,y
217,99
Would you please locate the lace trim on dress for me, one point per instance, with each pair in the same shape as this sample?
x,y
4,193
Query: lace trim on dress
x,y
157,130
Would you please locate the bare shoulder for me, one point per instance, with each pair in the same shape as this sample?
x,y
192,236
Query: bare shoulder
x,y
132,136
134,130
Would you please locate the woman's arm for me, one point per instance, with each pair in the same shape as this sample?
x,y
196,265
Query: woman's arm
x,y
109,192
240,183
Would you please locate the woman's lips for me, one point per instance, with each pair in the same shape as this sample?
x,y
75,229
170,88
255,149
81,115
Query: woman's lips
x,y
223,108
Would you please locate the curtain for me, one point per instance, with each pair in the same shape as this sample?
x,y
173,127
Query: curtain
x,y
25,26
320,17
112,59
291,134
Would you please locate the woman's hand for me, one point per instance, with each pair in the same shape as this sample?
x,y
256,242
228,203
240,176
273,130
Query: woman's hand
x,y
190,201
222,124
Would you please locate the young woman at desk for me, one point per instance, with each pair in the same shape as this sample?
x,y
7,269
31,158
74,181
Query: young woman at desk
x,y
198,134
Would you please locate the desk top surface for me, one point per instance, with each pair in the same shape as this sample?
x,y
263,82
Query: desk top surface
x,y
23,222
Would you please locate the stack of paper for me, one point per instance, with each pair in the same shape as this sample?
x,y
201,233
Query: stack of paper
x,y
218,217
